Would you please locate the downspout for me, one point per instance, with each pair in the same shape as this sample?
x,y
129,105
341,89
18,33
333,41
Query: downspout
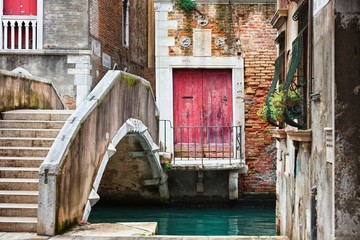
x,y
313,201
311,61
313,233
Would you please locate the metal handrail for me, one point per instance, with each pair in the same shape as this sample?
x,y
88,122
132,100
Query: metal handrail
x,y
203,142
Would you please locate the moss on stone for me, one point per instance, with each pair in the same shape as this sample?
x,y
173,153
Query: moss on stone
x,y
23,99
130,80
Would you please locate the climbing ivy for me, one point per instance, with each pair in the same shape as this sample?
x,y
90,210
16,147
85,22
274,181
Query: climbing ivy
x,y
186,5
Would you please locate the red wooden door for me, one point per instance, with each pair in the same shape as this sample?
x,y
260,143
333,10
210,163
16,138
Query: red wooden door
x,y
217,107
20,7
202,111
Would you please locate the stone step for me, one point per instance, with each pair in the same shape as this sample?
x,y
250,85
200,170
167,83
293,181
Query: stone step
x,y
23,184
18,224
31,124
29,114
21,161
19,196
24,151
18,210
17,172
26,142
31,133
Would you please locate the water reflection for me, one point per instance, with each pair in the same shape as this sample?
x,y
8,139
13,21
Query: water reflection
x,y
193,221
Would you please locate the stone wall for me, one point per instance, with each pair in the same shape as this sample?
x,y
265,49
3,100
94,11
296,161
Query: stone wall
x,y
347,120
329,160
125,174
18,91
246,32
49,67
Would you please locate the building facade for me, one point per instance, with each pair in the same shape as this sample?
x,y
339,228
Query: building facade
x,y
318,70
214,64
73,44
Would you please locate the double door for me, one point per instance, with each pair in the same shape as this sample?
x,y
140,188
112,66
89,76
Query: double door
x,y
203,112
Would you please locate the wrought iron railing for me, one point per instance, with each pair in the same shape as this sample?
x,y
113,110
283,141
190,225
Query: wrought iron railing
x,y
274,84
201,143
18,32
294,92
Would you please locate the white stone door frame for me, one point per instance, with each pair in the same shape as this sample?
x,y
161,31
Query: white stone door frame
x,y
164,88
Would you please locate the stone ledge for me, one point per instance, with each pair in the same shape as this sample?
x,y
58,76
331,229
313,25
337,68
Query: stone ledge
x,y
304,137
299,135
279,18
278,133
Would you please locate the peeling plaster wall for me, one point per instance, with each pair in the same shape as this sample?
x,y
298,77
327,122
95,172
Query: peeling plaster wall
x,y
320,171
347,119
336,78
300,168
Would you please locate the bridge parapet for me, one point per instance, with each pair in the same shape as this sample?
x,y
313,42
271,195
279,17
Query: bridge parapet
x,y
70,170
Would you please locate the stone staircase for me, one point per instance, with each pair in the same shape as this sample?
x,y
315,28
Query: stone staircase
x,y
25,139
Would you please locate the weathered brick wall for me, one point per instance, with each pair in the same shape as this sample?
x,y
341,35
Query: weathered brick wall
x,y
106,28
66,24
249,34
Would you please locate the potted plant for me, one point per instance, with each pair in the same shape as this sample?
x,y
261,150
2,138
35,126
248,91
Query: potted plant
x,y
273,111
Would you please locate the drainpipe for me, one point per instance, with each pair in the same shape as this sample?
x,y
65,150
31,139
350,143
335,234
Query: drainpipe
x,y
313,234
311,62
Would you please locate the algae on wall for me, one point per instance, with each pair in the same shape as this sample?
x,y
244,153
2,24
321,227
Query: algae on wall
x,y
23,93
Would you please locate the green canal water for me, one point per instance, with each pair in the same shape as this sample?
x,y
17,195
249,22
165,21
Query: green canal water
x,y
194,221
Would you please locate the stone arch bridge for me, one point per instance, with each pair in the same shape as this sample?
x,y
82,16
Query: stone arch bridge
x,y
120,106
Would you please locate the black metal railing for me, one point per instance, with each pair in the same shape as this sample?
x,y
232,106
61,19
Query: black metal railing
x,y
202,142
295,87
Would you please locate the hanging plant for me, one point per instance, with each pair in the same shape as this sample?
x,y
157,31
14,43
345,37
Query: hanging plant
x,y
186,5
277,105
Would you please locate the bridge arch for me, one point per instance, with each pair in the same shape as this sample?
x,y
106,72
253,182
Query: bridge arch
x,y
134,128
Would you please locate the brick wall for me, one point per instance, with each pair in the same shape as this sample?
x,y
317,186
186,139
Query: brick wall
x,y
248,33
106,28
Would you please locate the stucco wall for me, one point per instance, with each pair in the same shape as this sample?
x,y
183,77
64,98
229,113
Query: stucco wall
x,y
333,171
66,24
347,119
18,91
320,170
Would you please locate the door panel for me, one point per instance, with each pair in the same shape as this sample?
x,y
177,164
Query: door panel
x,y
20,7
217,108
202,99
187,104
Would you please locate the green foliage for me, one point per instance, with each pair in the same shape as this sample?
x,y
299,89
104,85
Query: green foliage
x,y
186,5
277,103
167,167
